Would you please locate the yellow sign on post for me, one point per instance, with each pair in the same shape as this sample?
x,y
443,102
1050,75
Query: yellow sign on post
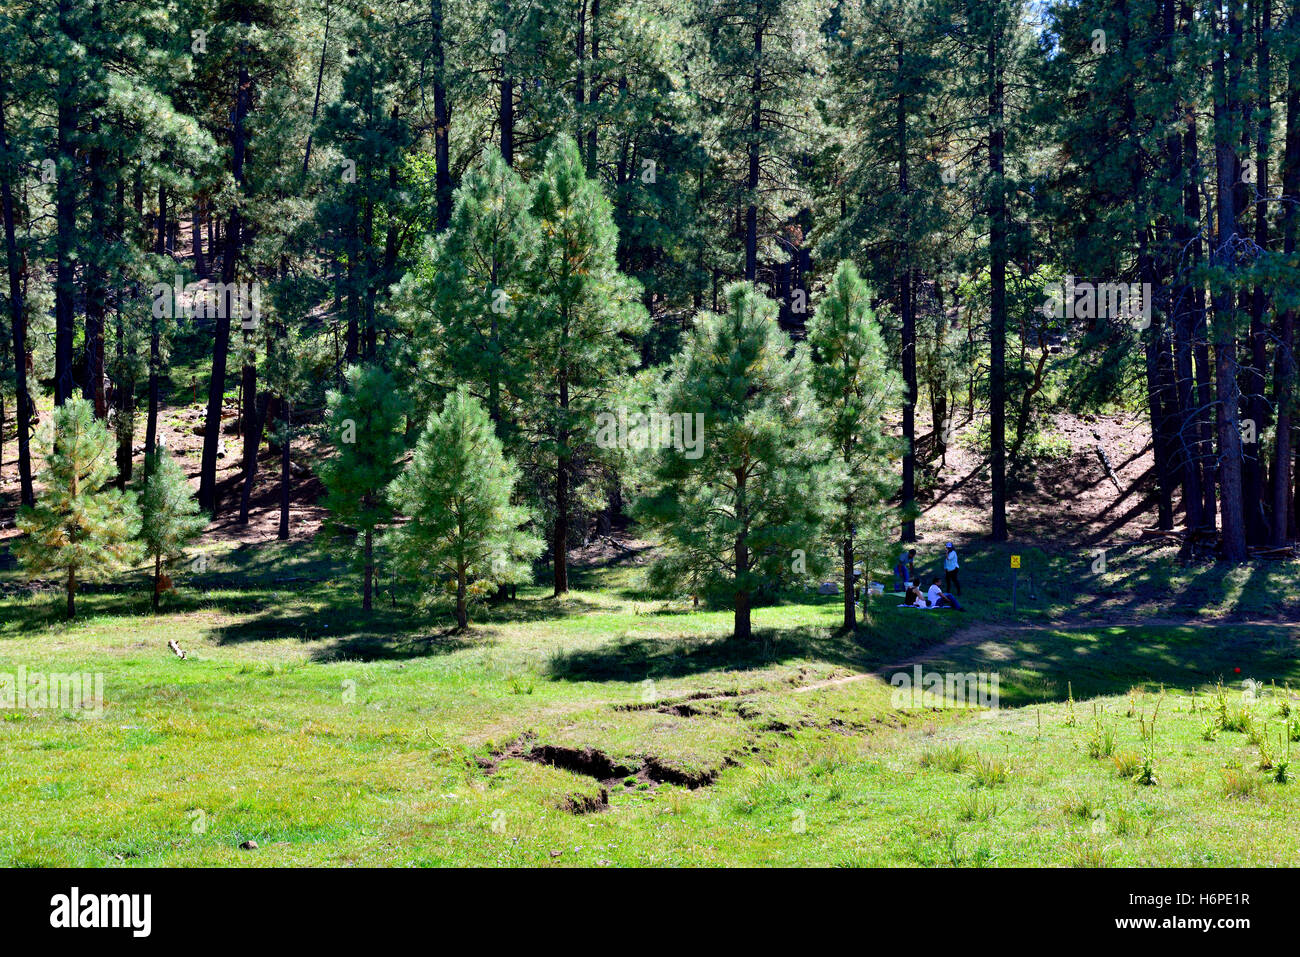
x,y
1015,561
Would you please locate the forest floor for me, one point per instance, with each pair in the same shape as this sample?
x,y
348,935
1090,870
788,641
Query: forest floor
x,y
612,728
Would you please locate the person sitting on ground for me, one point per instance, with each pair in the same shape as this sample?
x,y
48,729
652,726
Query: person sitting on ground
x,y
914,597
938,598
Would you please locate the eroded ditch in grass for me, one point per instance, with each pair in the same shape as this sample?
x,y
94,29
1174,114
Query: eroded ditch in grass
x,y
612,775
629,774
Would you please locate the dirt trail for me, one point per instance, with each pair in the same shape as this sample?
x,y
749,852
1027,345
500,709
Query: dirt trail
x,y
970,635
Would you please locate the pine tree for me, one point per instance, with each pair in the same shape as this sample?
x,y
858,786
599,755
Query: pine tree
x,y
465,298
889,63
364,422
79,526
760,79
170,518
738,519
853,386
456,493
582,310
369,124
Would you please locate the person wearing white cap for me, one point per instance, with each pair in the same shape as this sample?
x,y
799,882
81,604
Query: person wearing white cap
x,y
950,580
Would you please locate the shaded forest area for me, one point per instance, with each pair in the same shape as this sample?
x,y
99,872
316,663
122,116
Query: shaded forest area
x,y
1070,207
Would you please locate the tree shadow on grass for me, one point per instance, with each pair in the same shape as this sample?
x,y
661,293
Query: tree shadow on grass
x,y
528,609
642,657
387,633
375,647
1048,666
380,636
636,659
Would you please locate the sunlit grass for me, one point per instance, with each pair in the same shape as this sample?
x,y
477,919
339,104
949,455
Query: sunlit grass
x,y
329,739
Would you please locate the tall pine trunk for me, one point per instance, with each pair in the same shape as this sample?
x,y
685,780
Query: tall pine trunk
x,y
907,307
592,133
998,290
441,121
755,129
196,241
229,262
1283,513
155,343
17,320
65,216
367,594
742,629
1180,297
260,413
1200,325
560,543
462,615
850,608
96,279
285,469
157,579
320,80
1228,394
506,104
1254,380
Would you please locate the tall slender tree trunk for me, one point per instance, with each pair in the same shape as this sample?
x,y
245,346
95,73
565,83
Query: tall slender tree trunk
x,y
260,414
462,615
1257,404
249,424
580,79
17,318
221,344
320,80
1283,512
124,410
592,127
352,341
96,267
755,130
1200,326
560,545
742,629
907,308
155,340
850,608
367,594
1180,295
285,446
506,106
65,203
998,290
441,121
196,241
1228,393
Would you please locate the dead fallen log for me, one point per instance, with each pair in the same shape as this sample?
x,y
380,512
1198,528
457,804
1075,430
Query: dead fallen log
x,y
1106,466
1273,551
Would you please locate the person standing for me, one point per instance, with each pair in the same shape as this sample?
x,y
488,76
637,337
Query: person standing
x,y
904,570
950,580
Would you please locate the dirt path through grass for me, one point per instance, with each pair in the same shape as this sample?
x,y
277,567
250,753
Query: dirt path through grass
x,y
986,630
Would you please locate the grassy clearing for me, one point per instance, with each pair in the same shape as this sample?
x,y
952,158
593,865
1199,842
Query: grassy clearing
x,y
612,729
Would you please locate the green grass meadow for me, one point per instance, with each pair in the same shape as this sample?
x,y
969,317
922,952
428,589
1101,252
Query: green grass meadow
x,y
613,729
